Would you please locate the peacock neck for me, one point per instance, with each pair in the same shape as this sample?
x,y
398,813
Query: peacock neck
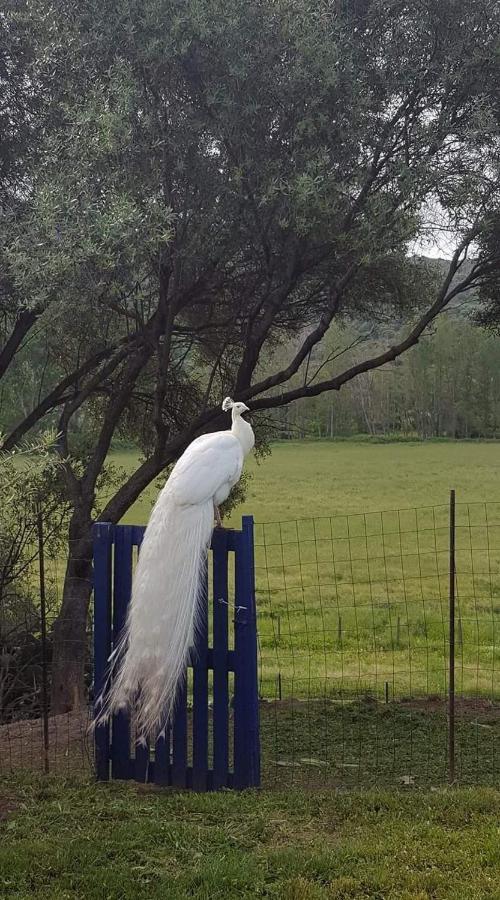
x,y
244,432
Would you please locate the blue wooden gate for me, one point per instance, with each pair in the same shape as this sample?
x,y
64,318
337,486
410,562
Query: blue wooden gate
x,y
208,746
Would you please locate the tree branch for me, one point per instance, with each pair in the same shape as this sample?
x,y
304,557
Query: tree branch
x,y
115,408
53,399
444,297
167,306
313,338
22,325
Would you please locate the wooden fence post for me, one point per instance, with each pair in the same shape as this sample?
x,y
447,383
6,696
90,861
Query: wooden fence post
x,y
246,697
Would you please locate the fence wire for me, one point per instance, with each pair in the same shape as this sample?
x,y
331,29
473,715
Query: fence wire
x,y
354,651
354,637
32,571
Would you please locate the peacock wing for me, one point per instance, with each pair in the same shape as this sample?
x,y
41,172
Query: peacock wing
x,y
208,464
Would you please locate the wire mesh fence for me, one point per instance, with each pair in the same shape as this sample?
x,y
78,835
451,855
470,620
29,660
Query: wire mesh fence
x,y
32,571
361,618
357,615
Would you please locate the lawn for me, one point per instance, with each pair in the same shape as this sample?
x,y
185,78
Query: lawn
x,y
356,604
311,743
79,841
303,479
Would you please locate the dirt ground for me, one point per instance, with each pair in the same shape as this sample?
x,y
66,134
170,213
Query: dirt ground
x,y
69,745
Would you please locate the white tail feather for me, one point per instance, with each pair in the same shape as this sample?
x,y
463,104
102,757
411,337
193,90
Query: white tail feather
x,y
149,662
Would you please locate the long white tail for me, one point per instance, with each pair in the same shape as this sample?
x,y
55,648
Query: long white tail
x,y
149,662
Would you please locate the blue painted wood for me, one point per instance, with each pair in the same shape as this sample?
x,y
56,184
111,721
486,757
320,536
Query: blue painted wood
x,y
179,739
141,762
230,666
142,751
120,743
162,768
200,694
170,763
137,533
220,660
103,546
189,777
253,661
246,700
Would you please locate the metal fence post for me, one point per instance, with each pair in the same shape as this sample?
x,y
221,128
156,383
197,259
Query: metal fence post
x,y
43,629
451,681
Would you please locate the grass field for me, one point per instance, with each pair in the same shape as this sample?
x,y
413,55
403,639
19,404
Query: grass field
x,y
303,479
69,841
358,604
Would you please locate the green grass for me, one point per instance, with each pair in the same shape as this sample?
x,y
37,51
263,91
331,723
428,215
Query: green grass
x,y
319,743
120,842
303,479
359,604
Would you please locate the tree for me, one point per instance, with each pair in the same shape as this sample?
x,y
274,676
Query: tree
x,y
216,181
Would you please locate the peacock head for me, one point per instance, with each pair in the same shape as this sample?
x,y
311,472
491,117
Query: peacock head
x,y
237,408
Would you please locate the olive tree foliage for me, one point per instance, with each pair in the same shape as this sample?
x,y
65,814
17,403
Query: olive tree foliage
x,y
488,313
216,180
18,112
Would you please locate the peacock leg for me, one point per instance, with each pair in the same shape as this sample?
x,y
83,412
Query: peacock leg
x,y
217,516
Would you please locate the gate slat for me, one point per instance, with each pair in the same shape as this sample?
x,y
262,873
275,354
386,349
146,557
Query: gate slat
x,y
142,751
141,763
246,699
179,739
220,658
162,758
120,742
200,695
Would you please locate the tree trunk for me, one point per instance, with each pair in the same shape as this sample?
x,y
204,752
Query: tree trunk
x,y
70,628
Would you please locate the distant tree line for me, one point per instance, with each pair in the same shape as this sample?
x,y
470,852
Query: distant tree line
x,y
446,386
